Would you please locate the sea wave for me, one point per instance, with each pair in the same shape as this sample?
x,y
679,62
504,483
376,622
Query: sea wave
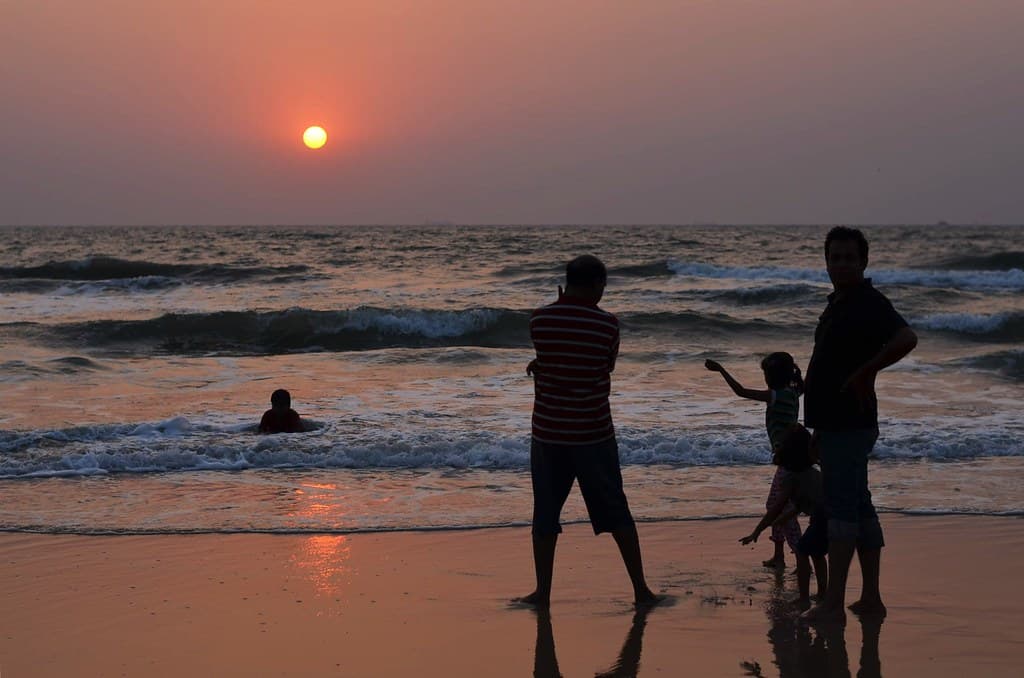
x,y
997,261
180,445
103,268
293,330
363,328
996,327
1009,363
786,293
966,279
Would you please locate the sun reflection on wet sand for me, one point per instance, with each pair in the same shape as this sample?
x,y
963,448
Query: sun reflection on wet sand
x,y
323,559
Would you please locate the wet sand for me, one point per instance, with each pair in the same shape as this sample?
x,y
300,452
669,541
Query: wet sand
x,y
435,604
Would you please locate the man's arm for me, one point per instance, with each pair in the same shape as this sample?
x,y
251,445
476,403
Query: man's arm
x,y
862,381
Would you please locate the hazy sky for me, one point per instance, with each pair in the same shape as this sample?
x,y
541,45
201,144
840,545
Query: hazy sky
x,y
480,111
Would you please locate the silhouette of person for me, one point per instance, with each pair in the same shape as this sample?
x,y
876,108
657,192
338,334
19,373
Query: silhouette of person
x,y
280,418
573,439
858,335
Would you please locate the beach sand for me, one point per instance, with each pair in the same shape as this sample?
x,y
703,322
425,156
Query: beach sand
x,y
435,604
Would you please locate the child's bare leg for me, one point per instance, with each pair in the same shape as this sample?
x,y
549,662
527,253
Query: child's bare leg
x,y
779,558
803,579
821,574
840,553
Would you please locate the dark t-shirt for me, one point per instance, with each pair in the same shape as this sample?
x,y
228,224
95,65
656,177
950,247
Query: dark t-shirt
x,y
851,331
280,422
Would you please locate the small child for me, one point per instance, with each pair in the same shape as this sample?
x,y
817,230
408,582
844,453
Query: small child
x,y
280,418
785,385
800,492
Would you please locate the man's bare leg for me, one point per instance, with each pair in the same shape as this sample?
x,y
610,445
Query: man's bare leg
x,y
628,542
870,602
544,567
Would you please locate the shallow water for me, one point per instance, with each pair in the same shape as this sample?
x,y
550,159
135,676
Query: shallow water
x,y
138,360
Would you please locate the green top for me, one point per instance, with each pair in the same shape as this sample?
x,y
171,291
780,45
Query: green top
x,y
783,411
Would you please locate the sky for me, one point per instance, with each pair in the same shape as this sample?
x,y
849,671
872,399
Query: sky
x,y
484,112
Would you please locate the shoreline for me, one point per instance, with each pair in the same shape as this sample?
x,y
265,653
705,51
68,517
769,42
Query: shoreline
x,y
436,603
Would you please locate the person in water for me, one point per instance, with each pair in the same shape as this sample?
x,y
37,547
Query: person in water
x,y
280,418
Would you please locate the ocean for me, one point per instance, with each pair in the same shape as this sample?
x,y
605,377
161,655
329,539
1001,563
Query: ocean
x,y
137,361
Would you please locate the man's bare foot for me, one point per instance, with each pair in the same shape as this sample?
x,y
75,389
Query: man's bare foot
x,y
801,603
823,613
774,562
534,600
647,599
868,608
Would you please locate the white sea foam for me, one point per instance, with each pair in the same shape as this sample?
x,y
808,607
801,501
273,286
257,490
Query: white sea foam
x,y
179,445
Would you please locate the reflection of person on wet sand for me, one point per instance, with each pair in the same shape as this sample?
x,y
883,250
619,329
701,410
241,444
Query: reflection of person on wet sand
x,y
801,651
573,439
627,665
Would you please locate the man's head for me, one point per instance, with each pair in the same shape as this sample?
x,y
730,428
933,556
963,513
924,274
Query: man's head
x,y
281,399
846,256
586,276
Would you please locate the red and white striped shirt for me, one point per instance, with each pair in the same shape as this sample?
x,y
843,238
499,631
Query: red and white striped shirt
x,y
577,344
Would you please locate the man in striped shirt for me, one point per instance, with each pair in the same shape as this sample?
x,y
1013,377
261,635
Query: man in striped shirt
x,y
573,437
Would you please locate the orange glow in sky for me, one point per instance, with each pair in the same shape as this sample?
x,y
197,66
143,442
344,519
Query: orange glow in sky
x,y
581,111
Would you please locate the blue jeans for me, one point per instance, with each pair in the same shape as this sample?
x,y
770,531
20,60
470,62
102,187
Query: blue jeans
x,y
844,471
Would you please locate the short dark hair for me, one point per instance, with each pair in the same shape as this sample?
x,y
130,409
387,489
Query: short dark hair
x,y
586,271
281,397
794,450
847,233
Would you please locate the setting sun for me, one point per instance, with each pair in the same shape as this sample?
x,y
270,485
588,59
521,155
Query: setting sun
x,y
314,137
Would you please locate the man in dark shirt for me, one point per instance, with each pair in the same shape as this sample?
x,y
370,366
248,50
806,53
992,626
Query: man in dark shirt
x,y
858,335
280,418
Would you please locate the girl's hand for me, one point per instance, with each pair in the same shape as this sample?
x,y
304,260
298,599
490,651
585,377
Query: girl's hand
x,y
713,365
752,537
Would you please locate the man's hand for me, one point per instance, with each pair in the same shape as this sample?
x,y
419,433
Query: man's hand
x,y
531,369
861,384
713,365
752,537
815,451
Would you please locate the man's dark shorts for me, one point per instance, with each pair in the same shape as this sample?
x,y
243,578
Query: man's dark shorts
x,y
553,469
814,541
844,475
